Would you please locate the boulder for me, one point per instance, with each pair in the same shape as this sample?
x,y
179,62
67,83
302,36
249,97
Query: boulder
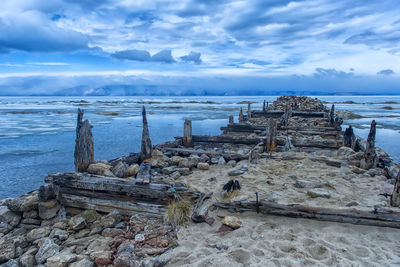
x,y
232,222
345,152
77,222
132,170
318,192
8,219
7,249
46,192
38,233
31,214
168,170
203,166
61,259
46,250
184,163
111,219
61,235
48,209
119,169
204,158
100,169
231,163
175,160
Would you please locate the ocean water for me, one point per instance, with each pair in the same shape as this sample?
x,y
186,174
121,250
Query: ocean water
x,y
37,134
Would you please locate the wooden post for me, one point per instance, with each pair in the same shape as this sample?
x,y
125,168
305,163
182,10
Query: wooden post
x,y
286,116
267,105
147,148
241,118
187,133
332,116
264,106
395,197
349,138
369,160
84,149
231,121
248,111
271,135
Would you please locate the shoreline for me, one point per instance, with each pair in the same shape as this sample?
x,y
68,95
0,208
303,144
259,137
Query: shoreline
x,y
316,171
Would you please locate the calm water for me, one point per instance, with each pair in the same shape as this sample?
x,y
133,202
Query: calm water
x,y
37,133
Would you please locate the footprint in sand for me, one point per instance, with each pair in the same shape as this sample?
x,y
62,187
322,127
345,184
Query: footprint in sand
x,y
319,252
240,256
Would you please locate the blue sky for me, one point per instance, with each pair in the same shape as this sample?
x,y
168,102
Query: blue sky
x,y
86,46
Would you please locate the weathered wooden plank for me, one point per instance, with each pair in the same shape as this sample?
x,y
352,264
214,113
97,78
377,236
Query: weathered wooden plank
x,y
84,148
271,140
187,133
373,218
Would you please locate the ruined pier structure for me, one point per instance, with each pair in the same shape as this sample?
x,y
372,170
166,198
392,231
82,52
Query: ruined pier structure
x,y
288,124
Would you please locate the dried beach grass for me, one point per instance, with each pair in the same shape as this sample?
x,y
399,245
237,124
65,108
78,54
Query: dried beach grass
x,y
178,212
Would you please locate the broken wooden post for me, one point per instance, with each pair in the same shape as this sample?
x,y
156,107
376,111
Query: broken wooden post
x,y
147,148
286,116
187,133
271,135
231,121
395,197
331,118
84,149
264,106
241,118
248,111
349,138
369,160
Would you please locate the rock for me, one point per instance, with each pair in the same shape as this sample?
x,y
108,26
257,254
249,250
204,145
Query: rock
x,y
61,259
373,172
232,222
231,163
90,216
386,189
103,258
221,161
175,175
82,263
46,250
345,152
12,263
175,160
38,233
203,166
100,169
31,214
318,193
210,220
48,209
183,171
235,172
111,219
132,170
193,161
112,232
214,161
168,170
46,192
139,238
307,184
99,244
212,179
31,221
204,158
7,249
119,169
357,170
351,204
61,235
273,196
184,163
224,228
239,198
77,222
182,233
28,260
199,215
8,219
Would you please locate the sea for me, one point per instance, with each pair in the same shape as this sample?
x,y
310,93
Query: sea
x,y
37,134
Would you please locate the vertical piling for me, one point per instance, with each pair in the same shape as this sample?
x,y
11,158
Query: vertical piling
x,y
271,131
187,133
84,148
146,148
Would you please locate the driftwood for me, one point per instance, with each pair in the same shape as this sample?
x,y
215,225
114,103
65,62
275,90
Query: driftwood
x,y
349,138
264,108
143,176
332,116
227,155
241,117
231,121
86,191
280,140
187,133
248,111
384,218
200,210
395,198
146,148
270,142
84,149
370,154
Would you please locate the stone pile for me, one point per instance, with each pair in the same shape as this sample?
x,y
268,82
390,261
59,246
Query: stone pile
x,y
298,103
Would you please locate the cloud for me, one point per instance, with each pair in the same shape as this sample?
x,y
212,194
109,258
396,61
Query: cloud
x,y
48,63
321,72
31,31
163,56
192,57
138,55
386,72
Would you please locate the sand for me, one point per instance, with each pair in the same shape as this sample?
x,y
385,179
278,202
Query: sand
x,y
280,241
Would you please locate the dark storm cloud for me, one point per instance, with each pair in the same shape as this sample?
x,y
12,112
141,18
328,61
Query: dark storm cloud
x,y
386,72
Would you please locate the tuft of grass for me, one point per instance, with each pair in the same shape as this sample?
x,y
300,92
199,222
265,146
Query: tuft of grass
x,y
231,194
178,212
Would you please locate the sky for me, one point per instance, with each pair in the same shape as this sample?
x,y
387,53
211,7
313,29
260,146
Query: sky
x,y
83,47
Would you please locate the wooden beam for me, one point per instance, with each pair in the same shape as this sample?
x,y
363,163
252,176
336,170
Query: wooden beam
x,y
383,218
84,148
